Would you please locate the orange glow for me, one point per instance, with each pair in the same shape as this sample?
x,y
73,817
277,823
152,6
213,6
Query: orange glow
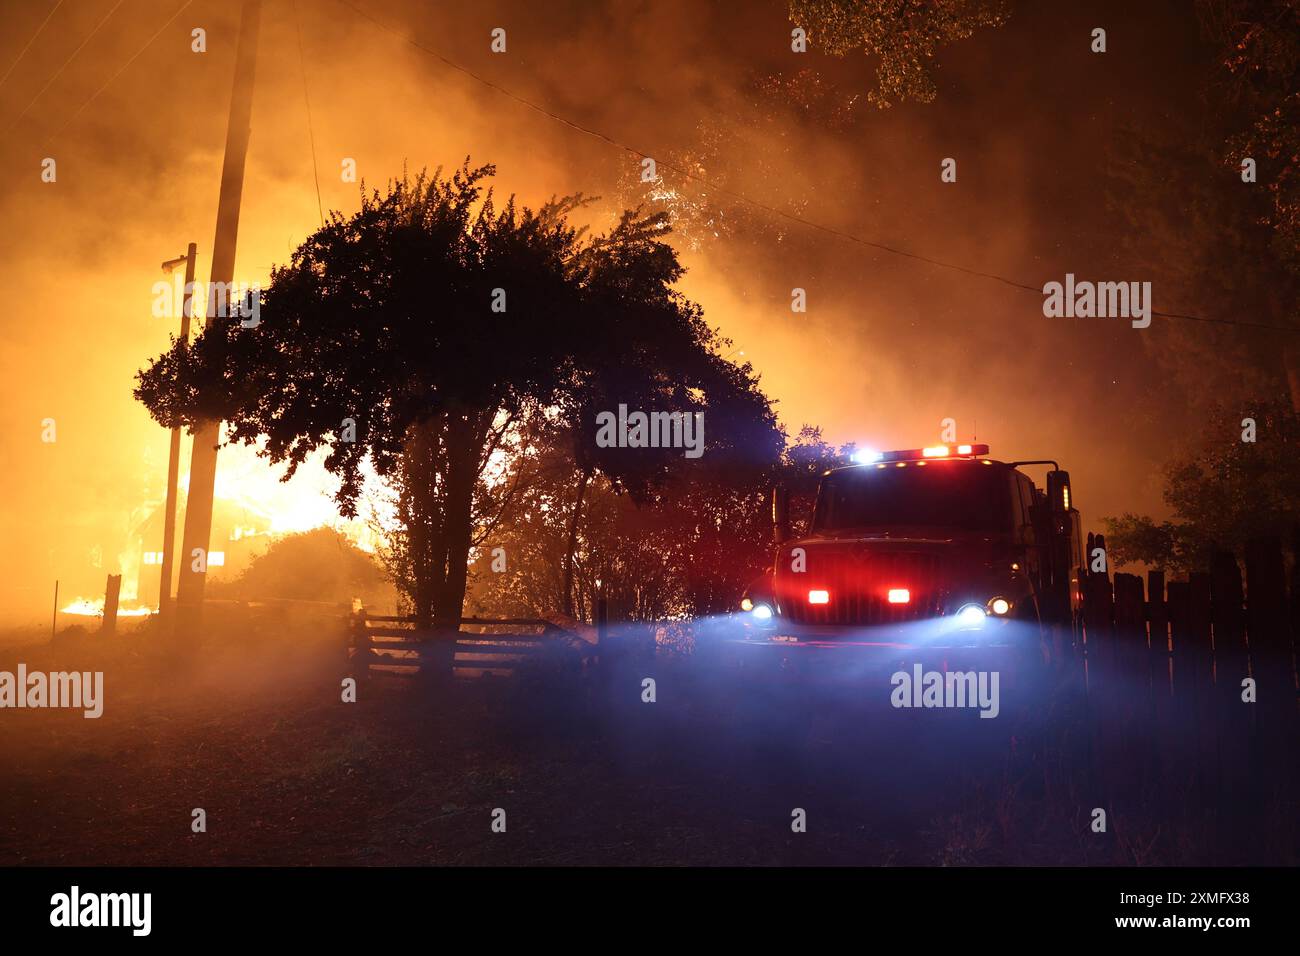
x,y
963,449
84,607
935,451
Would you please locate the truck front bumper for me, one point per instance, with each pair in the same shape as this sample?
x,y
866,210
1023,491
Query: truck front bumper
x,y
938,633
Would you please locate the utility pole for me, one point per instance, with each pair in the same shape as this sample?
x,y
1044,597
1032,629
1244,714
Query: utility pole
x,y
203,457
174,459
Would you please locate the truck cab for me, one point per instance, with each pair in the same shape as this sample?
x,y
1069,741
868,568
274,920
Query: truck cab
x,y
939,546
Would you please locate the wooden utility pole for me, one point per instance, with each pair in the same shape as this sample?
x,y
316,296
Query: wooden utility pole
x,y
174,458
203,457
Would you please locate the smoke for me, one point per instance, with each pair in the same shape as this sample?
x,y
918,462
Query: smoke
x,y
889,346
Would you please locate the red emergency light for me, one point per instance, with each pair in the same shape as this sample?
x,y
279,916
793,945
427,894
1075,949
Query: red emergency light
x,y
934,451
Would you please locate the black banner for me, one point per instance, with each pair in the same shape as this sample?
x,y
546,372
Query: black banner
x,y
334,905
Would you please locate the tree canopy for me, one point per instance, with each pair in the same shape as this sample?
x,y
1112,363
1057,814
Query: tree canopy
x,y
1223,493
422,332
904,35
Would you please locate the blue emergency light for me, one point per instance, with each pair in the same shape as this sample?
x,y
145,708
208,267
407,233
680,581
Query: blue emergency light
x,y
867,456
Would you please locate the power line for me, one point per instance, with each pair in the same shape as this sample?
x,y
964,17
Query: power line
x,y
740,197
60,70
302,65
38,32
122,69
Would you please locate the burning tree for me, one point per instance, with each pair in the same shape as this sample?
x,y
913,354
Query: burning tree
x,y
423,332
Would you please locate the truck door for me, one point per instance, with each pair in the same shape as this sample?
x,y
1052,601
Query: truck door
x,y
1030,559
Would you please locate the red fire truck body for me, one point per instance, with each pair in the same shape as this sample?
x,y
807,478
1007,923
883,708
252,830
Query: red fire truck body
x,y
938,547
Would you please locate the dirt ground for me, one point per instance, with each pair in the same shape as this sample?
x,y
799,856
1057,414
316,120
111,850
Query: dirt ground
x,y
252,729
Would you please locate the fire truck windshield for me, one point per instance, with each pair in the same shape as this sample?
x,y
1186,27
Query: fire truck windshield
x,y
951,495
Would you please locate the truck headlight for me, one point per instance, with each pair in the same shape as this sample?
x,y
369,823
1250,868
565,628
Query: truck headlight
x,y
761,612
1000,606
971,616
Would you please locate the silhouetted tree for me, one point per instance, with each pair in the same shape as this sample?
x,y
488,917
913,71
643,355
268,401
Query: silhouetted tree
x,y
1223,493
437,322
1258,45
773,120
904,36
686,547
1256,95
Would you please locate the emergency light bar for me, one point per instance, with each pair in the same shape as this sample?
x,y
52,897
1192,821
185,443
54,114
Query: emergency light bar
x,y
920,454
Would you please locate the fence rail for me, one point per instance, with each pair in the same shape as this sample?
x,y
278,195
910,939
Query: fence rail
x,y
397,645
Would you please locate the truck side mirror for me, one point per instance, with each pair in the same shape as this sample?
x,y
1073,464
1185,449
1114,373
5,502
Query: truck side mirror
x,y
1058,491
781,514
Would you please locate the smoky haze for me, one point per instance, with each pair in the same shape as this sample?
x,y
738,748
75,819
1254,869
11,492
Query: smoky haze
x,y
889,347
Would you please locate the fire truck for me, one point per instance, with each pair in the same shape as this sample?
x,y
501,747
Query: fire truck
x,y
927,548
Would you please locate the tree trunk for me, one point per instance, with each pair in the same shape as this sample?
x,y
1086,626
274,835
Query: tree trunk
x,y
439,474
572,547
418,514
466,434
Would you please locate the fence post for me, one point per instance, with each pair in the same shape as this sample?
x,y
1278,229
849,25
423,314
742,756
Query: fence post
x,y
1267,622
1178,607
111,592
1227,601
1232,717
1130,624
1295,589
1201,651
1158,627
1182,672
1200,655
362,654
1098,615
1128,696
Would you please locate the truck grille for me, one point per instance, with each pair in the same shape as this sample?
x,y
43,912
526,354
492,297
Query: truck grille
x,y
859,587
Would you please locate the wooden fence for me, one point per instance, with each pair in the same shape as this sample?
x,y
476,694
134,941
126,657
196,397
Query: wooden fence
x,y
396,645
1208,663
